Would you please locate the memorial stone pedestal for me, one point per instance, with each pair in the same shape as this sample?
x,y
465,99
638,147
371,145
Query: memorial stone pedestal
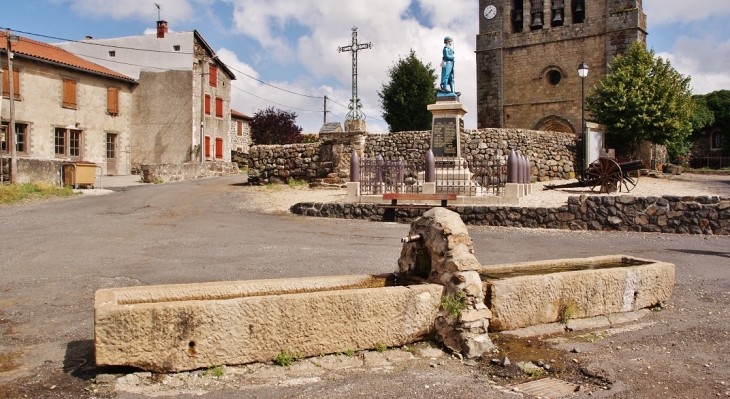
x,y
452,173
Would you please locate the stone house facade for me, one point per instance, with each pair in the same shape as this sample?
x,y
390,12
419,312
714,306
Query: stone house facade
x,y
240,132
528,52
66,109
183,98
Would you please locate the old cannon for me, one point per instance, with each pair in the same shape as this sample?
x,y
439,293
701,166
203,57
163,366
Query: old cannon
x,y
607,175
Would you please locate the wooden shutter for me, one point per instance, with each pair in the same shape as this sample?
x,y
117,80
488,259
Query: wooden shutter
x,y
213,73
6,82
218,148
219,107
239,128
69,93
207,146
207,104
112,100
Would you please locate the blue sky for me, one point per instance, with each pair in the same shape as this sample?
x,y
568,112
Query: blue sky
x,y
293,45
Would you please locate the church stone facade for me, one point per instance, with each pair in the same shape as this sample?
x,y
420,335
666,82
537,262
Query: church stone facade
x,y
528,53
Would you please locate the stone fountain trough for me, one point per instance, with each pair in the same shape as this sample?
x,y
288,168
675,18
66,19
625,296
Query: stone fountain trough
x,y
530,293
170,328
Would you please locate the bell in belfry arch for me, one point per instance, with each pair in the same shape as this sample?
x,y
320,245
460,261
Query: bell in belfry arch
x,y
579,6
517,15
558,16
537,20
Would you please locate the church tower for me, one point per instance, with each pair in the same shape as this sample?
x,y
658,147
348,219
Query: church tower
x,y
528,52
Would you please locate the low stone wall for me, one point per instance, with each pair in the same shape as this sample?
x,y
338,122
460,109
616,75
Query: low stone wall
x,y
240,158
165,173
33,170
668,214
278,163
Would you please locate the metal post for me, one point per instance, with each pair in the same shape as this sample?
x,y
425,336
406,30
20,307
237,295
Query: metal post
x,y
325,110
202,110
430,172
354,167
583,125
10,133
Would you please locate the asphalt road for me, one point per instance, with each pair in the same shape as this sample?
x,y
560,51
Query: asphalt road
x,y
55,254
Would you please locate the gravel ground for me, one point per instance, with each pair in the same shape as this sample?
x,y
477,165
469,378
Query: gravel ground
x,y
278,199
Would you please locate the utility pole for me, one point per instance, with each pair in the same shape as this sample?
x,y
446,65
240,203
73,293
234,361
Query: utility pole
x,y
325,109
10,132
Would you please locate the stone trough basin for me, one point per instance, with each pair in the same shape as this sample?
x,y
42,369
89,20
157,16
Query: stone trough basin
x,y
171,328
531,293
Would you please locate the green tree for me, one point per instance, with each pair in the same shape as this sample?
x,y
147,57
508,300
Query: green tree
x,y
274,126
643,98
410,91
719,103
701,117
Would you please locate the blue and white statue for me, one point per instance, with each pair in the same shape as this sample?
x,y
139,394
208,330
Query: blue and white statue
x,y
447,69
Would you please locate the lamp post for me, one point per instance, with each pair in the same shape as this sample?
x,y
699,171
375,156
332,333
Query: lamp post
x,y
583,73
10,136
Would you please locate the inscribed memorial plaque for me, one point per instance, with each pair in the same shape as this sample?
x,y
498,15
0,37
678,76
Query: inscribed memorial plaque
x,y
444,140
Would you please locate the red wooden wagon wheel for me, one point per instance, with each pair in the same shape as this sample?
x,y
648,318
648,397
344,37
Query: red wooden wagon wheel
x,y
605,174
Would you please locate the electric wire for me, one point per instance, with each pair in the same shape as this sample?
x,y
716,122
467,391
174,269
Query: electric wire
x,y
274,102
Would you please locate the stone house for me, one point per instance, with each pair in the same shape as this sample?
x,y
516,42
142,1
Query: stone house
x,y
183,98
66,109
528,53
240,132
709,143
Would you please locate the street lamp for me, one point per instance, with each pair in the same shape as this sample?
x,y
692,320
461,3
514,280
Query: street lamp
x,y
583,72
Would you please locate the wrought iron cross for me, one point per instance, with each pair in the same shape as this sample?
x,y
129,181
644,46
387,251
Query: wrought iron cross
x,y
354,48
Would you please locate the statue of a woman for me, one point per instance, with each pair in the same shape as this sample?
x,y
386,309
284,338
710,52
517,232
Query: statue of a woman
x,y
447,67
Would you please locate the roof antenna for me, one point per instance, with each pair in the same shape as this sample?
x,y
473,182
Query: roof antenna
x,y
158,11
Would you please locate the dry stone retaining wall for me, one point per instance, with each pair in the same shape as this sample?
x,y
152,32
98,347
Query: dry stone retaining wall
x,y
553,155
668,214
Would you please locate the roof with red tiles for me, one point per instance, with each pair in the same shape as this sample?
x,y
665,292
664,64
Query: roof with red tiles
x,y
239,115
43,51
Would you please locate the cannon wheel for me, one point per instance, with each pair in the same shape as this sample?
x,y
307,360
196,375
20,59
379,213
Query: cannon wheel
x,y
605,174
630,179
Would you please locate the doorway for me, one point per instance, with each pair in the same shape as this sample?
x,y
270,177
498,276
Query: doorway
x,y
111,154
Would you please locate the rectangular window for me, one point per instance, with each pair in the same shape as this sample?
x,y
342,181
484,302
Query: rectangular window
x,y
112,101
69,93
21,137
207,146
218,107
111,146
207,104
67,142
239,128
213,75
176,48
6,82
218,148
112,53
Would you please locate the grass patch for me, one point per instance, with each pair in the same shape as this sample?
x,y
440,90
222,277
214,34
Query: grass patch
x,y
410,349
215,371
286,358
454,304
534,372
297,183
380,347
349,353
13,193
568,312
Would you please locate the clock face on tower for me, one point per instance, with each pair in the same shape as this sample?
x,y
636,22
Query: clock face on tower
x,y
490,11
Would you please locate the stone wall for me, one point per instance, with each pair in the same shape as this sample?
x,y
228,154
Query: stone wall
x,y
668,214
165,173
33,170
553,154
278,163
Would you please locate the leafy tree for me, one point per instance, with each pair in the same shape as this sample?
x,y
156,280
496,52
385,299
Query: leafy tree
x,y
274,126
410,91
643,98
701,116
719,103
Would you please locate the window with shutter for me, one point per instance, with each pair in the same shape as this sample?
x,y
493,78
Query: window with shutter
x,y
207,104
112,101
69,93
207,146
218,107
6,82
218,148
239,128
213,75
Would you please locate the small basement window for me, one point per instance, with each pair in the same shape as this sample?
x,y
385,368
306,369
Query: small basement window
x,y
176,47
112,53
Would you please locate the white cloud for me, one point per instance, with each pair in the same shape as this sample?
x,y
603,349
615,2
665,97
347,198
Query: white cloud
x,y
665,12
326,26
704,60
172,10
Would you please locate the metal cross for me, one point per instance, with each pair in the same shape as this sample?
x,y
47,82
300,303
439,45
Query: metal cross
x,y
354,48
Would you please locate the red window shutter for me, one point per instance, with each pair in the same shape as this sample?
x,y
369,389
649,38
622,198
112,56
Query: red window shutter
x,y
219,107
69,93
112,100
16,82
207,104
218,148
207,146
213,73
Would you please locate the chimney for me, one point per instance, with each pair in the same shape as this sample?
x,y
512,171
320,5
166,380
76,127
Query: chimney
x,y
161,29
89,37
